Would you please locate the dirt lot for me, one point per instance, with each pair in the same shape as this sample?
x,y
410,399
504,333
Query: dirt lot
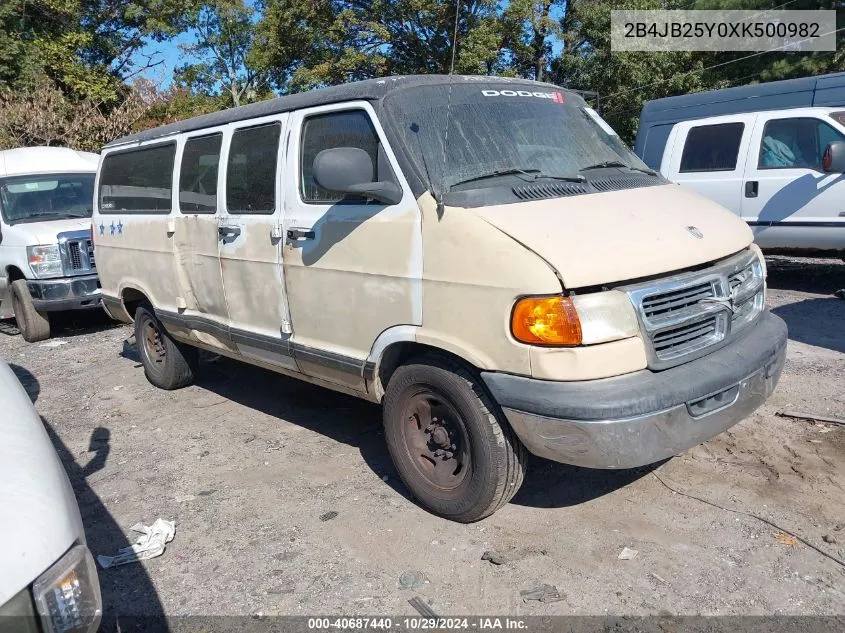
x,y
246,462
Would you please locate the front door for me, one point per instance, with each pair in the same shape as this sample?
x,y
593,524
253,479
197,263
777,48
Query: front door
x,y
353,266
788,198
249,239
709,157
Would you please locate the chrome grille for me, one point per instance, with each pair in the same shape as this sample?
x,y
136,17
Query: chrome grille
x,y
686,315
77,253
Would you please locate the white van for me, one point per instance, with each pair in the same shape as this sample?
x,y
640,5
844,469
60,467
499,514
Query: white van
x,y
48,581
781,171
520,281
46,256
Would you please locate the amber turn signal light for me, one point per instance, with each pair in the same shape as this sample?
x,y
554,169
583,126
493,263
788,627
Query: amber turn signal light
x,y
546,321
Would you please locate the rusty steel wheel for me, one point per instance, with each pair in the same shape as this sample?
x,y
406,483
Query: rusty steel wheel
x,y
167,364
152,342
436,439
449,440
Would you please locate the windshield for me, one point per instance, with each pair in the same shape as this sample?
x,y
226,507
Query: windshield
x,y
46,197
495,134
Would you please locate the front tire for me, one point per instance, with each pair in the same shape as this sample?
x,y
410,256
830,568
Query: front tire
x,y
34,325
449,440
167,364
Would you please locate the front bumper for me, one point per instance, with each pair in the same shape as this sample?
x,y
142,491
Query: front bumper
x,y
644,417
69,293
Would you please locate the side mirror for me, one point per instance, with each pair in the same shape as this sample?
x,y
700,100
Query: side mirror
x,y
350,170
833,159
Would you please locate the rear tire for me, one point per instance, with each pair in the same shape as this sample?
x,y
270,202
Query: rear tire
x,y
34,325
167,364
449,440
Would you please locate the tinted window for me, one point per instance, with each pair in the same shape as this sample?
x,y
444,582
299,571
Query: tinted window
x,y
138,181
251,172
198,174
46,197
795,143
338,129
712,147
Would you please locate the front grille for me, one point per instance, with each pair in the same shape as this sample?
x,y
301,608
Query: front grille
x,y
77,253
662,304
74,255
684,316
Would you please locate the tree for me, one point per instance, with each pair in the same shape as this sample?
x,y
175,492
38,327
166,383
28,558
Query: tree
x,y
530,28
324,42
87,48
224,37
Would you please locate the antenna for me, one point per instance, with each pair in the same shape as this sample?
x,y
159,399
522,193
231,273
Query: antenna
x,y
449,103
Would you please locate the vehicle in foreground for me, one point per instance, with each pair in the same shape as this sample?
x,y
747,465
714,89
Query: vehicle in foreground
x,y
48,582
773,153
523,281
46,256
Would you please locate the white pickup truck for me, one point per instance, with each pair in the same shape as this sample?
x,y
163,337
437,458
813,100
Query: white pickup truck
x,y
46,252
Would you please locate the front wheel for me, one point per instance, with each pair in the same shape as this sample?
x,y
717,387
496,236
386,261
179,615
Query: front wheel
x,y
34,325
449,440
167,364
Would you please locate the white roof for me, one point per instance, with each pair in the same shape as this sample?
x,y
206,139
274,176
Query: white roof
x,y
46,160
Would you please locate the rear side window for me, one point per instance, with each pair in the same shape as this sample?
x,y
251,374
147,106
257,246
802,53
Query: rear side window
x,y
251,172
712,147
138,181
198,174
337,129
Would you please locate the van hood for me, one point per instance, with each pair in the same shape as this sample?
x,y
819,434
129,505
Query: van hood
x,y
41,518
616,236
45,232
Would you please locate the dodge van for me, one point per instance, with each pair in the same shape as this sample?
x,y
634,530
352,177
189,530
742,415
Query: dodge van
x,y
483,256
46,256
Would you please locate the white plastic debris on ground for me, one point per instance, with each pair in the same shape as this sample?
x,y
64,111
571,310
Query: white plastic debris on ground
x,y
150,544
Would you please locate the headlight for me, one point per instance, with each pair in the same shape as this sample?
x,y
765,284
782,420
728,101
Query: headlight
x,y
587,319
67,595
45,261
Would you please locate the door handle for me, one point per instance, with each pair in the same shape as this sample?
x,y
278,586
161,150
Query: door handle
x,y
228,231
751,188
301,234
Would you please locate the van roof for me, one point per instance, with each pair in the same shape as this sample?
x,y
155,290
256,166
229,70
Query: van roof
x,y
46,160
367,90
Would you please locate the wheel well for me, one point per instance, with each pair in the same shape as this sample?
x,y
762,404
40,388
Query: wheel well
x,y
397,354
13,273
131,298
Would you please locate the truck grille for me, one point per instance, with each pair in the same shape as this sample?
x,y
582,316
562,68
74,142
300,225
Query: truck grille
x,y
685,315
77,253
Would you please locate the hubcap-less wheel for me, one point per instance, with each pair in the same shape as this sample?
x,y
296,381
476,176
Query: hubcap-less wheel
x,y
153,343
436,440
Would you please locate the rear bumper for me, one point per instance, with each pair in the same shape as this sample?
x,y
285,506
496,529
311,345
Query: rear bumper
x,y
644,417
70,293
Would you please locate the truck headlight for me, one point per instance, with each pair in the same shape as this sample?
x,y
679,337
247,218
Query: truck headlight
x,y
67,596
588,319
45,260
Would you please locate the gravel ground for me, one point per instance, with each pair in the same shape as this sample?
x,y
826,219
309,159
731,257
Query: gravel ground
x,y
247,462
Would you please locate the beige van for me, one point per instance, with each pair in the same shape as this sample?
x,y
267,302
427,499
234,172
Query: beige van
x,y
483,256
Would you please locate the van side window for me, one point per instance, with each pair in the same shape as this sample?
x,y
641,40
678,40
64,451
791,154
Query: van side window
x,y
795,143
352,128
138,180
712,147
251,172
198,174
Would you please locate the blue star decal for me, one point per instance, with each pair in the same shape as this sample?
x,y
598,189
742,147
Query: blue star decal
x,y
112,227
120,227
102,228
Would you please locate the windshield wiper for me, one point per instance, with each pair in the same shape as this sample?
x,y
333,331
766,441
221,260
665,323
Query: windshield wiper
x,y
533,175
618,163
